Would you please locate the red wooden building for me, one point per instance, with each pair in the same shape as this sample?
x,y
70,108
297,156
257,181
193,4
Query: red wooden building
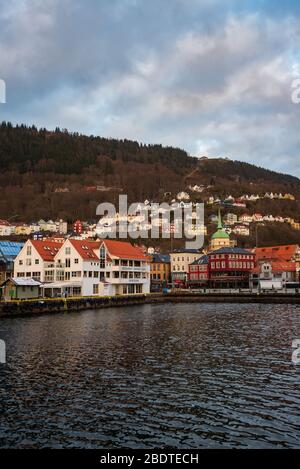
x,y
230,268
227,267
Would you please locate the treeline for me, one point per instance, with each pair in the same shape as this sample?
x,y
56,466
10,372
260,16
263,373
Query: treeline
x,y
27,149
241,172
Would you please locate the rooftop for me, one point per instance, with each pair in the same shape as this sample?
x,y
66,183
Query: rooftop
x,y
124,250
9,250
201,261
232,250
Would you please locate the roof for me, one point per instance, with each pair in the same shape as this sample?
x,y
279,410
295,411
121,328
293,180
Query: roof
x,y
186,251
201,261
4,223
124,250
161,258
46,249
86,249
9,250
279,267
231,250
23,282
282,253
220,234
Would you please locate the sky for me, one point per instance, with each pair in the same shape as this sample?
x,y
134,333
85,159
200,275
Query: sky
x,y
213,77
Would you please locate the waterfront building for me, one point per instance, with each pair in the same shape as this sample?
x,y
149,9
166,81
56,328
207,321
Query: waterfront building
x,y
230,267
277,265
84,268
199,272
37,260
8,252
160,270
77,269
180,261
125,269
282,253
20,289
273,275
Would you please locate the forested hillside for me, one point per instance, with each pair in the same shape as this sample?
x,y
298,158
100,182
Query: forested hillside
x,y
55,174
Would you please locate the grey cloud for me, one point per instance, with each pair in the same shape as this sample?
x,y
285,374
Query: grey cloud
x,y
193,74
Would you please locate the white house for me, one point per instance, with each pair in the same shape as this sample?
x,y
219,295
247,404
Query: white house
x,y
273,275
37,260
6,229
124,269
246,218
77,269
241,230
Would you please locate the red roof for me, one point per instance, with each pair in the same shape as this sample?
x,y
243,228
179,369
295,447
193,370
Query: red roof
x,y
279,253
124,250
279,267
46,249
86,249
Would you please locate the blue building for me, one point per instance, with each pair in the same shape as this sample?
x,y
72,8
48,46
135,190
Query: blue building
x,y
8,252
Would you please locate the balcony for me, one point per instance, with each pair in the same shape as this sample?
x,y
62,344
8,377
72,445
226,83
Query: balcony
x,y
126,281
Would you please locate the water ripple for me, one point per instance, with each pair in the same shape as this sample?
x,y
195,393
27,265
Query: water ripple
x,y
154,376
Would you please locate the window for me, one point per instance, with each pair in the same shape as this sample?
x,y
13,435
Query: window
x,y
76,261
102,257
96,289
20,262
28,261
68,262
68,251
37,261
28,251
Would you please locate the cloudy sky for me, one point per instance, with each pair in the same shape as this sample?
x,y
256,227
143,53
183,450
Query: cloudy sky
x,y
211,76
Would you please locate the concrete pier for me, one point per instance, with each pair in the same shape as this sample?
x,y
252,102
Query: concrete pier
x,y
42,306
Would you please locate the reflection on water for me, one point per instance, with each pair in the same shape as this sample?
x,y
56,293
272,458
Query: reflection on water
x,y
175,376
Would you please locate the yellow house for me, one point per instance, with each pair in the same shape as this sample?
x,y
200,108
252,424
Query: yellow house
x,y
23,230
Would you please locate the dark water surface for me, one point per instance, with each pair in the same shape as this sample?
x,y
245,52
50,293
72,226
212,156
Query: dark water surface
x,y
176,376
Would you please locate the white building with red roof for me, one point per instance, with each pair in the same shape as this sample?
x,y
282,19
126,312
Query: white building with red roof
x,y
125,268
75,267
37,260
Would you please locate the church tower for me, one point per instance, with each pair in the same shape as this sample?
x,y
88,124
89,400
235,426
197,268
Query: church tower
x,y
220,239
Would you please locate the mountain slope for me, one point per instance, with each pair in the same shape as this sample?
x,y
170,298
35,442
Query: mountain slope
x,y
58,174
